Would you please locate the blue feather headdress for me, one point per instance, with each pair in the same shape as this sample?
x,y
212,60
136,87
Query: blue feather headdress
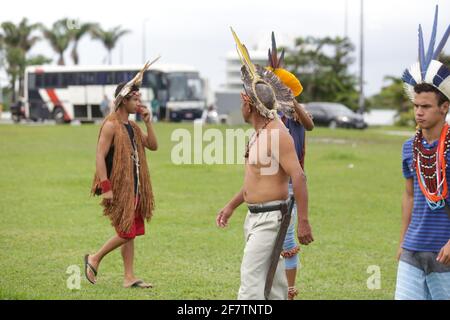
x,y
428,69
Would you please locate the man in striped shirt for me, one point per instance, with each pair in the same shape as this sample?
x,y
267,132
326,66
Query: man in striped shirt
x,y
424,252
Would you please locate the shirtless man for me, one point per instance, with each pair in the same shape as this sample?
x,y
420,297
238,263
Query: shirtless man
x,y
266,191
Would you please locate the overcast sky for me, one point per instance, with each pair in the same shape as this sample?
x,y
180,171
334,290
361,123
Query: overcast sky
x,y
197,32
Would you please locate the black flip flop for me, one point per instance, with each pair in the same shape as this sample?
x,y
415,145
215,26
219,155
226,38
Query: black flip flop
x,y
140,284
88,265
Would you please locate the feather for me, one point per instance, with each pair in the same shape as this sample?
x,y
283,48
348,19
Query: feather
x,y
283,94
289,80
408,78
443,73
441,44
274,51
247,81
430,51
432,70
409,90
269,60
421,53
444,87
274,61
136,81
243,54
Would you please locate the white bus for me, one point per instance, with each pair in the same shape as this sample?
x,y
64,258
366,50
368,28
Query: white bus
x,y
67,93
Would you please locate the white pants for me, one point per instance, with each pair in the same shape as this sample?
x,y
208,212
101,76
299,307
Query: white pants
x,y
260,231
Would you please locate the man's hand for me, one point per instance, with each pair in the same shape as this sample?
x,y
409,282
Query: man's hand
x,y
146,114
107,195
444,255
304,232
399,252
223,216
296,117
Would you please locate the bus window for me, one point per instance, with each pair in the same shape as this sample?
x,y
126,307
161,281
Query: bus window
x,y
119,76
185,86
39,80
195,88
52,80
31,81
81,79
87,78
150,80
124,76
90,78
103,79
69,79
110,78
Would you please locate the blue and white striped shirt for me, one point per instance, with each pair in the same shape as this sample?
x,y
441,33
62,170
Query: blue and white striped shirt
x,y
429,230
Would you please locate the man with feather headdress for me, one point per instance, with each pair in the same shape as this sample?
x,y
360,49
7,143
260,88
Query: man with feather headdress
x,y
424,250
265,188
122,178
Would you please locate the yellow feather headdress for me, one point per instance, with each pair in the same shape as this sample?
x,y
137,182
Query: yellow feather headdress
x,y
253,75
275,65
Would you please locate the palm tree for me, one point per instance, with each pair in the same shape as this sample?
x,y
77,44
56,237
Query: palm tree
x,y
77,34
59,37
15,59
109,38
26,36
10,40
17,40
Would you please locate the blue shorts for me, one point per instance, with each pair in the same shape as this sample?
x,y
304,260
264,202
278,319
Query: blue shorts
x,y
421,277
290,242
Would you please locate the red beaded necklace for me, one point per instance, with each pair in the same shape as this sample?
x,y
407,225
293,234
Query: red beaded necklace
x,y
430,165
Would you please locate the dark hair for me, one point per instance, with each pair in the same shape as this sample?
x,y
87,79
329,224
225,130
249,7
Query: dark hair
x,y
120,87
426,87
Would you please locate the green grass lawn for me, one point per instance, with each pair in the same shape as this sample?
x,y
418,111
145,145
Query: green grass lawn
x,y
48,221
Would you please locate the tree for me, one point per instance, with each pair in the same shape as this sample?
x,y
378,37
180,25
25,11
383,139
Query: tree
x,y
393,96
59,37
17,41
109,38
76,35
445,59
322,65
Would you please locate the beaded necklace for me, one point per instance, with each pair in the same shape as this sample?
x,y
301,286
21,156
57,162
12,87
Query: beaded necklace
x,y
431,167
253,139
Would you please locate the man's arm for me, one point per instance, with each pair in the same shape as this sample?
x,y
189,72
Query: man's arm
x,y
226,212
289,162
303,117
103,145
149,139
407,206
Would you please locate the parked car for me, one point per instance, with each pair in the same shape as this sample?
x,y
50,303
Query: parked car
x,y
335,115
